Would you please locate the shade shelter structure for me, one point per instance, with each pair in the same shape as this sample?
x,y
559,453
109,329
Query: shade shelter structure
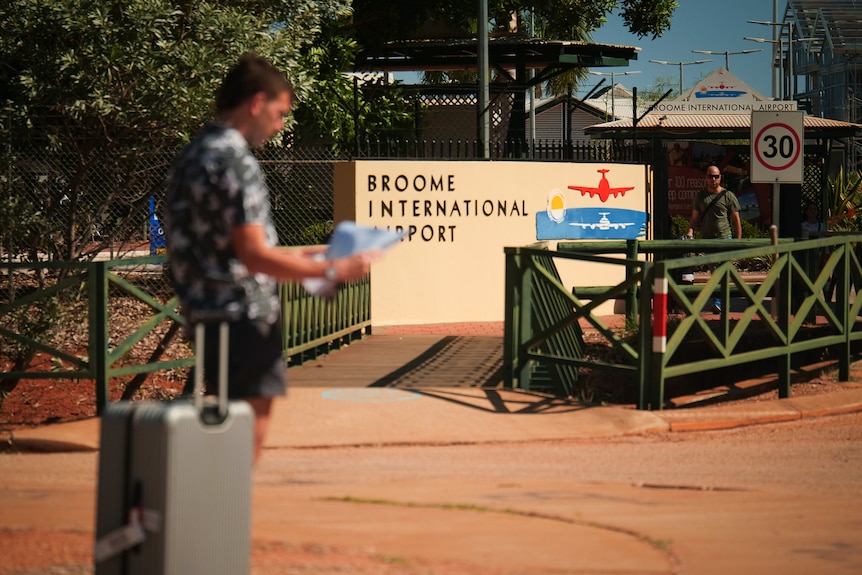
x,y
520,63
715,115
505,53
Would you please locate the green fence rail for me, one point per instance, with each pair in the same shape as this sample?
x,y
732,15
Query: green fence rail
x,y
790,308
106,320
313,325
531,325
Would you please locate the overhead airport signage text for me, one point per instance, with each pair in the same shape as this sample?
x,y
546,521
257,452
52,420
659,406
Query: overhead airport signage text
x,y
726,107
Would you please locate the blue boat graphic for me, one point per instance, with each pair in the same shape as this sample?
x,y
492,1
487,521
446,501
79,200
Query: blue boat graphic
x,y
720,94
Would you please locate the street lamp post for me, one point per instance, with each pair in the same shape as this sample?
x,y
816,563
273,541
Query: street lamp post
x,y
613,76
680,64
727,54
790,76
777,91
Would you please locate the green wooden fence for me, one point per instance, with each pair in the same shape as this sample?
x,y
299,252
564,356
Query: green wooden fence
x,y
791,307
75,316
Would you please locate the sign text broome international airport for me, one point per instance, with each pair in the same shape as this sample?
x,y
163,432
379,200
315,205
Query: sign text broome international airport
x,y
723,107
433,206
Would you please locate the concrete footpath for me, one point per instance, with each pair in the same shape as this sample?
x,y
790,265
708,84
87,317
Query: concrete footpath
x,y
332,417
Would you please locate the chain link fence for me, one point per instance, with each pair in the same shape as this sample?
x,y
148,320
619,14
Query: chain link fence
x,y
53,208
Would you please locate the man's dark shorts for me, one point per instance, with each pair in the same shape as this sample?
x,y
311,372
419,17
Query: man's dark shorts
x,y
256,366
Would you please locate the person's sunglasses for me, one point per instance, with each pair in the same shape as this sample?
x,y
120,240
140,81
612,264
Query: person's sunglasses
x,y
714,176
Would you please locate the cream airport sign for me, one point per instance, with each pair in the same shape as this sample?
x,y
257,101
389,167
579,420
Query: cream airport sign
x,y
458,216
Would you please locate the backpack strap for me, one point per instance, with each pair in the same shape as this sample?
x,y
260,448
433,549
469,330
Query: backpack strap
x,y
709,207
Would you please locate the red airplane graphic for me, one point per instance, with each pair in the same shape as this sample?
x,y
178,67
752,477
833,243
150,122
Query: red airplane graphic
x,y
604,190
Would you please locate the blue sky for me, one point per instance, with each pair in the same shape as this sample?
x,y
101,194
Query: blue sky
x,y
697,25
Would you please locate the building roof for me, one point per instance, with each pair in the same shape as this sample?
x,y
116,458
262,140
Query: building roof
x,y
604,103
719,106
617,102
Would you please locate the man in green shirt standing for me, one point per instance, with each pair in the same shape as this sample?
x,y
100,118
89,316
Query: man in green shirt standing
x,y
716,210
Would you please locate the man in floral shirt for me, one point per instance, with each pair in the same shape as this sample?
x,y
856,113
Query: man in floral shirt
x,y
222,252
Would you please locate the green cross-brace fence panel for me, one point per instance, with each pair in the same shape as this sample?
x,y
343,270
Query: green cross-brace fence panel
x,y
780,306
539,308
312,324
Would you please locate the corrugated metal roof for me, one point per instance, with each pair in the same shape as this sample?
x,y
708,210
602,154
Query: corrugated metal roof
x,y
711,121
617,104
817,122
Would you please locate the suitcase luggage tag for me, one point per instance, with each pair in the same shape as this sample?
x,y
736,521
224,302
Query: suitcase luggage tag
x,y
128,536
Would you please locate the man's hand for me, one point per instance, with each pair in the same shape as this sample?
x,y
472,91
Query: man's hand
x,y
357,266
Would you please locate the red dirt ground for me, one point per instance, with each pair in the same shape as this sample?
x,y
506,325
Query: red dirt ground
x,y
30,552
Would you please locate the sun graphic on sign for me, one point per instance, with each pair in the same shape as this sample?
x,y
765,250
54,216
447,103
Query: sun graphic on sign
x,y
556,206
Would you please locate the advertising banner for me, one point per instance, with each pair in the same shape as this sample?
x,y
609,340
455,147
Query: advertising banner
x,y
687,163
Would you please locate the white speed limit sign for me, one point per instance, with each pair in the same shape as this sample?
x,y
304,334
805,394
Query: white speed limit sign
x,y
777,146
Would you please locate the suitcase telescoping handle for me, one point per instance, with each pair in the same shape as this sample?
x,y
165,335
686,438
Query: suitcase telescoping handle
x,y
200,329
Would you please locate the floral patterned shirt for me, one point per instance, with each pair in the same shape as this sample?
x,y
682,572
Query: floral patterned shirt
x,y
214,185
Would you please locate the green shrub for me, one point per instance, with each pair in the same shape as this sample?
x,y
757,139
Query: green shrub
x,y
678,226
845,209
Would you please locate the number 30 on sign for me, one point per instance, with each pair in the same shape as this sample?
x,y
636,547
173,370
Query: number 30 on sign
x,y
777,146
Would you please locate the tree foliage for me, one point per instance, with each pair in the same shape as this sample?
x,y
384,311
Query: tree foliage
x,y
105,87
378,21
660,86
115,70
337,108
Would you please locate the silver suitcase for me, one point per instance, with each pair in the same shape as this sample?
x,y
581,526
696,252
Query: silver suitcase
x,y
174,491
